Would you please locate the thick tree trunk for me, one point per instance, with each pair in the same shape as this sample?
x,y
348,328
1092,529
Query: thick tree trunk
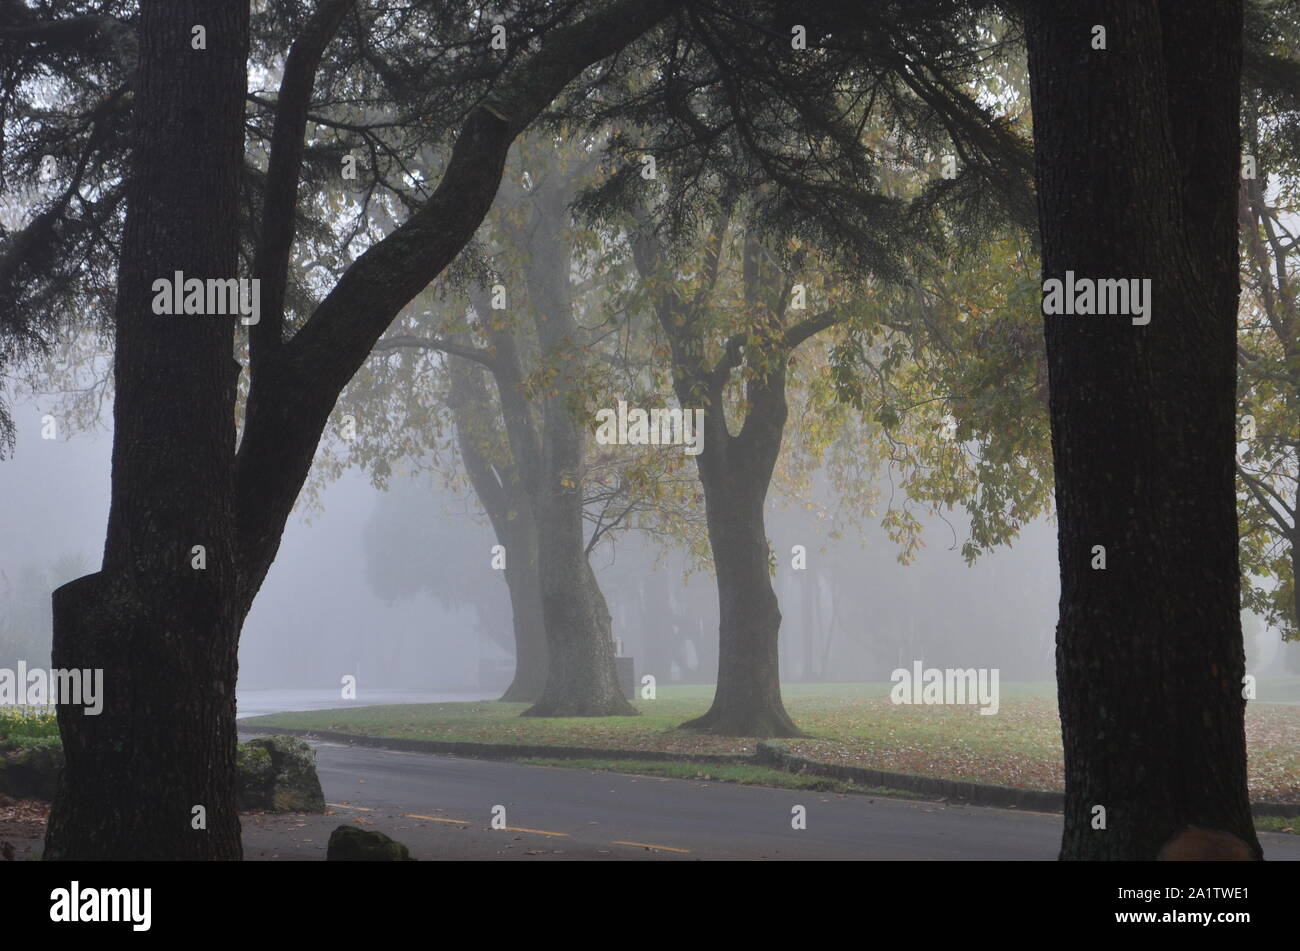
x,y
747,701
165,633
582,679
1137,156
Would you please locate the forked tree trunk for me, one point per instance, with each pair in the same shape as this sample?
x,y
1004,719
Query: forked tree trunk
x,y
735,472
1137,158
159,760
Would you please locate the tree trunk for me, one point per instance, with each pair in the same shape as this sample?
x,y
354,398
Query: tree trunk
x,y
1137,157
165,633
582,680
501,492
1294,542
523,578
747,701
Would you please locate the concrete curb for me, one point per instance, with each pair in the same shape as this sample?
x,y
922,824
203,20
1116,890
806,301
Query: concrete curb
x,y
768,753
498,751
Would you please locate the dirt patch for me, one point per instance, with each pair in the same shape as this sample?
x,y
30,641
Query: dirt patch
x,y
22,828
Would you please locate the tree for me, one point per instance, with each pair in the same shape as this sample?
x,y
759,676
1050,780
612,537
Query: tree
x,y
64,107
1136,162
548,322
154,626
164,632
736,469
1268,353
502,493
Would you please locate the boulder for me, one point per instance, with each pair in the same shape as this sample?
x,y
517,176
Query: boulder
x,y
350,844
278,774
31,772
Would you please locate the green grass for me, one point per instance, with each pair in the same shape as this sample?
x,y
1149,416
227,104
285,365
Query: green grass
x,y
847,724
1277,824
21,729
742,774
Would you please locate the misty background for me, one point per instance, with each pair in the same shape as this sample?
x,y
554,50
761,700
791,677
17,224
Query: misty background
x,y
396,588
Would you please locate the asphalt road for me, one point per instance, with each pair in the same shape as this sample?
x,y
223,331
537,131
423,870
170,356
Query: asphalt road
x,y
442,808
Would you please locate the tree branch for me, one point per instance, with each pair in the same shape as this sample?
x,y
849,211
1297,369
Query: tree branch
x,y
279,208
404,341
813,325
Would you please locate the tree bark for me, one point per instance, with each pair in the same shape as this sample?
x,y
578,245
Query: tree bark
x,y
523,578
747,701
1136,159
582,679
165,633
501,492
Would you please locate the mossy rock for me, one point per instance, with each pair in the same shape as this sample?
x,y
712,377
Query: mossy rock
x,y
278,774
31,773
350,844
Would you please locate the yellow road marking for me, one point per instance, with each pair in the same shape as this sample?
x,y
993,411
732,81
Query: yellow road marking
x,y
412,815
339,805
537,831
660,848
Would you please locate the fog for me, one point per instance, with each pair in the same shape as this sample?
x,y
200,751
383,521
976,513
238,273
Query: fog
x,y
394,587
319,616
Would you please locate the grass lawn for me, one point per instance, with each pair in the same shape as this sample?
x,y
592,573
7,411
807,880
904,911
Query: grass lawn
x,y
850,724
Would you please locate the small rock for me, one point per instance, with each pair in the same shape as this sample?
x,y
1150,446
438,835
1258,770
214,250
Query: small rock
x,y
350,844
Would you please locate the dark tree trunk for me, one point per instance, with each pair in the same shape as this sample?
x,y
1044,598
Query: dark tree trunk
x,y
1294,542
164,633
747,701
1137,157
